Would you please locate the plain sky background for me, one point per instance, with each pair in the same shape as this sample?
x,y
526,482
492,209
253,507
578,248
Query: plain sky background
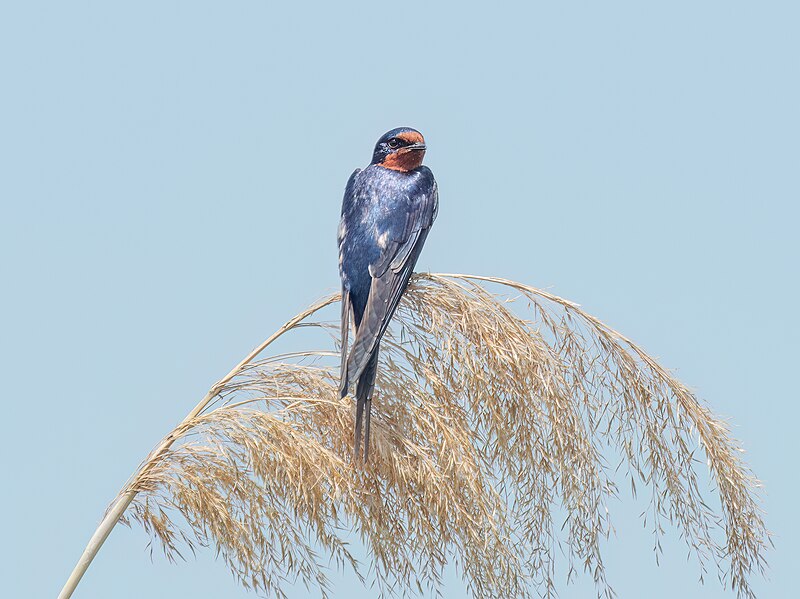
x,y
171,177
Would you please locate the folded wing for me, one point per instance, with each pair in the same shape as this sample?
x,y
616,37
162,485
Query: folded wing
x,y
390,275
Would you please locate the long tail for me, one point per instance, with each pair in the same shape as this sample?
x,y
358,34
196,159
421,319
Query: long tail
x,y
364,388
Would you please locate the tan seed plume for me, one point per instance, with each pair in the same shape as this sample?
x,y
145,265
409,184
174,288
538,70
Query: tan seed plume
x,y
491,413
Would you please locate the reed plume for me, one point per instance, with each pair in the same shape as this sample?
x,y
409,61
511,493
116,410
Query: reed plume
x,y
491,412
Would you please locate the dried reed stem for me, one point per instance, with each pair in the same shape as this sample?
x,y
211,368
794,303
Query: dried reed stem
x,y
126,496
486,421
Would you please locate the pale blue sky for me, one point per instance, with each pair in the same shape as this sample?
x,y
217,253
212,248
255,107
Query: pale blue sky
x,y
171,176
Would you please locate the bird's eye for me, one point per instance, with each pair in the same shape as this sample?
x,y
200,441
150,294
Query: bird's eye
x,y
394,143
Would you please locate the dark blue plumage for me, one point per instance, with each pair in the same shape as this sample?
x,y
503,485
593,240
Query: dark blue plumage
x,y
387,211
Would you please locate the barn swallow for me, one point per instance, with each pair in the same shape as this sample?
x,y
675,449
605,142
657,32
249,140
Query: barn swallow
x,y
387,211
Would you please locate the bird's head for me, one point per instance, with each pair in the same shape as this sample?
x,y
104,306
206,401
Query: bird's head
x,y
400,149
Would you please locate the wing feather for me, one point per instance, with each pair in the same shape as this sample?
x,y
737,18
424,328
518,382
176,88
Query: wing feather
x,y
390,276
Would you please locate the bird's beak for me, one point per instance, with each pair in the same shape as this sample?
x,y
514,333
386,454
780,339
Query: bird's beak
x,y
417,147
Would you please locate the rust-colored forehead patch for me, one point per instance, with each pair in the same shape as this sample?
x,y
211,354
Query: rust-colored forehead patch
x,y
412,137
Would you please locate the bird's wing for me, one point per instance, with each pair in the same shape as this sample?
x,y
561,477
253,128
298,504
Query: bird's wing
x,y
346,204
346,308
390,275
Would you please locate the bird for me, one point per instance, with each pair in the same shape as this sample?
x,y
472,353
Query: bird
x,y
387,211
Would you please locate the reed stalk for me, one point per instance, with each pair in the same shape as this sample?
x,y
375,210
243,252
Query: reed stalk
x,y
492,412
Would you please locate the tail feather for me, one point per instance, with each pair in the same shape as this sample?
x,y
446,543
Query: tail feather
x,y
365,377
359,418
364,389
